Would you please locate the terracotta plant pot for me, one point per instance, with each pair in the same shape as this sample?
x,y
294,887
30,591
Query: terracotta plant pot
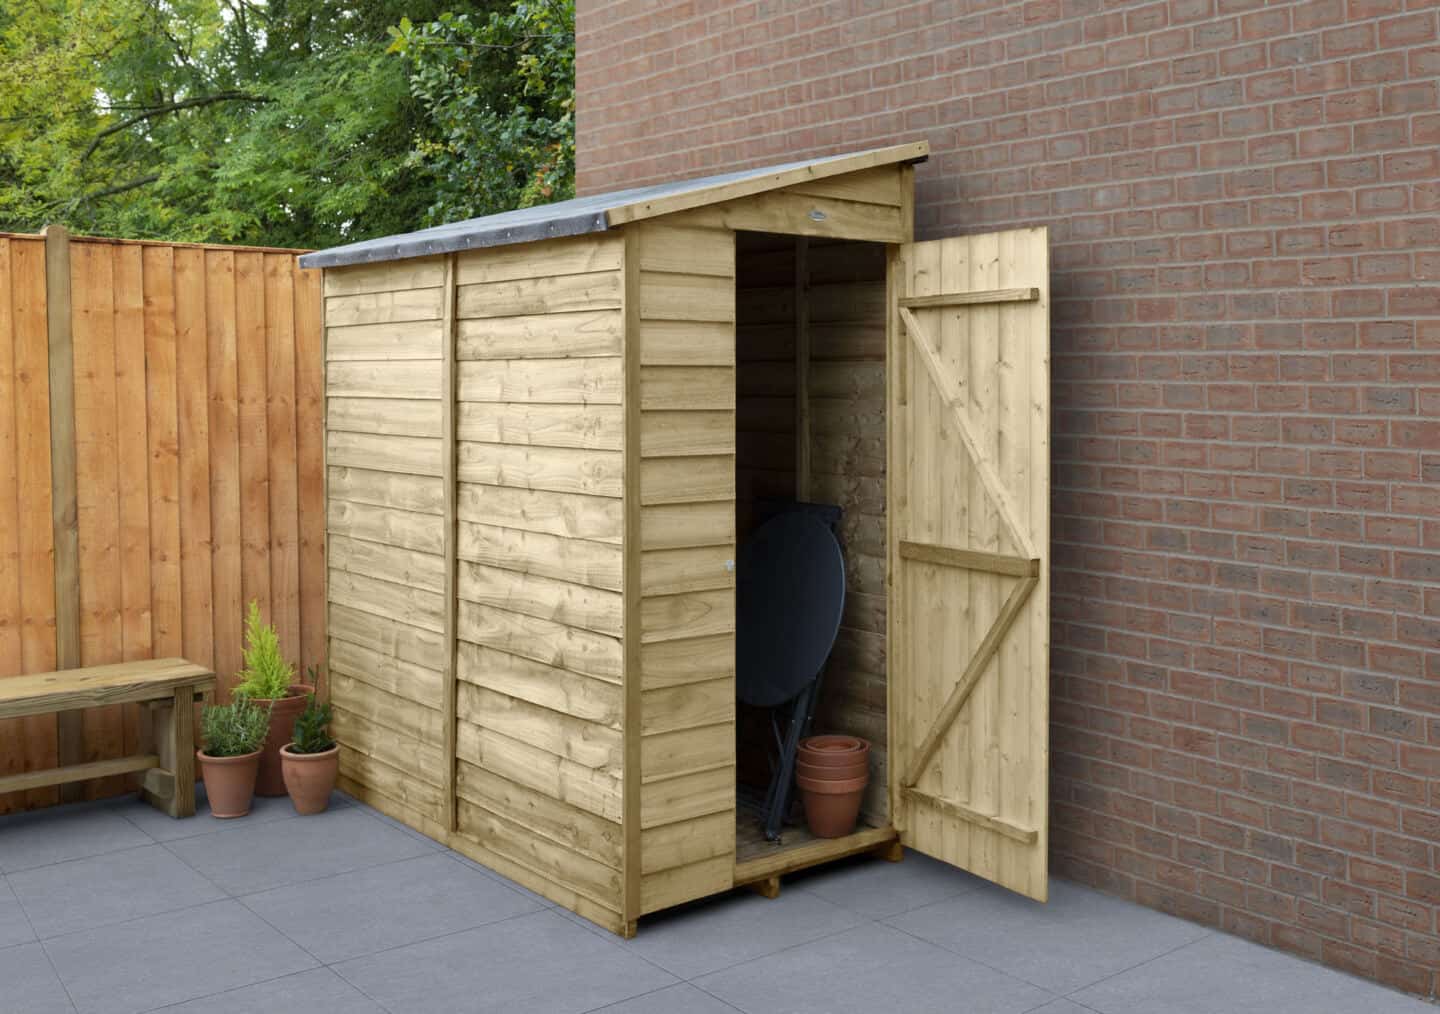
x,y
310,777
831,807
283,712
833,772
229,782
833,750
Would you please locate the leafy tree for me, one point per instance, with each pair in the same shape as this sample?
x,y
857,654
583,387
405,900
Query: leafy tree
x,y
500,91
280,122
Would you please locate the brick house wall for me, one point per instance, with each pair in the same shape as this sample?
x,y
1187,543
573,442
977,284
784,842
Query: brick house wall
x,y
1242,200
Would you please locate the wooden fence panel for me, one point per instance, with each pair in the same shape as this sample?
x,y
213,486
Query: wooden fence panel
x,y
198,471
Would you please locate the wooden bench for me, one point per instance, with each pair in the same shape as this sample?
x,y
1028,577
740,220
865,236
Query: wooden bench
x,y
166,687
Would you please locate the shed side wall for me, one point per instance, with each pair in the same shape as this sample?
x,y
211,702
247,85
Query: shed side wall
x,y
385,526
540,433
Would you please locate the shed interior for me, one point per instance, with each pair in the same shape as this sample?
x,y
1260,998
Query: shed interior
x,y
810,427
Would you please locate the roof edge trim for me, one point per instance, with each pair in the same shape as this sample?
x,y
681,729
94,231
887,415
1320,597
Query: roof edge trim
x,y
428,244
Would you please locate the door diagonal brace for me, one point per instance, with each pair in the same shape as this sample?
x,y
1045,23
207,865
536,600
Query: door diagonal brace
x,y
969,679
949,391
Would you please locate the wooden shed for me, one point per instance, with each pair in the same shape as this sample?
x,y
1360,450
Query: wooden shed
x,y
547,430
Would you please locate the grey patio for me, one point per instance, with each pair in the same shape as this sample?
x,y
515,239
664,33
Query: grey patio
x,y
113,907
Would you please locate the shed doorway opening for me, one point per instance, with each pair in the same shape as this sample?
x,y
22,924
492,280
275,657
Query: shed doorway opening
x,y
810,430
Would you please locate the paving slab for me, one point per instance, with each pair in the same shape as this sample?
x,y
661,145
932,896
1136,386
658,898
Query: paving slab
x,y
720,932
28,985
318,991
266,855
1080,936
161,827
875,889
681,999
539,964
380,907
60,833
1226,973
164,959
101,890
14,926
870,968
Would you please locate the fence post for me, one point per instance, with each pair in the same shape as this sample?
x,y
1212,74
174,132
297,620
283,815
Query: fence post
x,y
70,731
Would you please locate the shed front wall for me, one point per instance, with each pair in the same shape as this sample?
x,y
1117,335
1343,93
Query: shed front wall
x,y
686,321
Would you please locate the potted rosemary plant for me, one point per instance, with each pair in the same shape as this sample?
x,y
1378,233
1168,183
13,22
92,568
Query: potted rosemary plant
x,y
233,735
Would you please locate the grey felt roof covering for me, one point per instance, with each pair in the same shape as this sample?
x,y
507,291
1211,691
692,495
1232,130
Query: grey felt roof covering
x,y
599,212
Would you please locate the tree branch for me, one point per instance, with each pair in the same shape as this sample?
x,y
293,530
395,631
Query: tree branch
x,y
119,188
171,107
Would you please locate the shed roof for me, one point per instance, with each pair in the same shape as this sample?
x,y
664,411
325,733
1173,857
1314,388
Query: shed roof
x,y
604,211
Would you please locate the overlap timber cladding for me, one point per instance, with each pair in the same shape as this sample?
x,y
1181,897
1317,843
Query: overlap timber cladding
x,y
196,408
1242,205
686,322
541,474
383,354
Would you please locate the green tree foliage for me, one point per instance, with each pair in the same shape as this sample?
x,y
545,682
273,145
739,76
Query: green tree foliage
x,y
284,122
505,127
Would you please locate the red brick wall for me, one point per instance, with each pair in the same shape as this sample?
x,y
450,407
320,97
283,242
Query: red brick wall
x,y
1243,204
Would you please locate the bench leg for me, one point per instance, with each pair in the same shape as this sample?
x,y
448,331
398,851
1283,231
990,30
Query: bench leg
x,y
171,786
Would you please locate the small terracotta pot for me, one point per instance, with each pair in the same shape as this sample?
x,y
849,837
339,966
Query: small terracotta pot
x,y
283,712
833,772
831,807
838,751
229,782
310,777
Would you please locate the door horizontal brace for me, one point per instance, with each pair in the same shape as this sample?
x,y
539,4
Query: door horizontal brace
x,y
970,559
1024,835
979,296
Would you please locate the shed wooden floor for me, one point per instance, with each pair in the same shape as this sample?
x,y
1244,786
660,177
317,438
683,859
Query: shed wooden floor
x,y
757,859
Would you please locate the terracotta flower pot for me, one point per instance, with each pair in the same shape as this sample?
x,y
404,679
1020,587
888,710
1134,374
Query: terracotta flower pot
x,y
833,772
831,807
229,782
283,712
309,777
834,751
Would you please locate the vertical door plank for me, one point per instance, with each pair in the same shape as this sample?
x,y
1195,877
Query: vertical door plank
x,y
254,431
192,393
284,481
163,446
310,463
225,519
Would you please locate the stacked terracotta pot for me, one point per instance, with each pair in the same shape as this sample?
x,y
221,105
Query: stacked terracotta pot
x,y
832,772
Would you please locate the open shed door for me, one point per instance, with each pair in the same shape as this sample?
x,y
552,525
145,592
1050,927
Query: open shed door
x,y
969,480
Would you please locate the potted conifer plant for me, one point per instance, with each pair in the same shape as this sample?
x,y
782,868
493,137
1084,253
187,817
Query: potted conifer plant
x,y
232,735
310,762
269,681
